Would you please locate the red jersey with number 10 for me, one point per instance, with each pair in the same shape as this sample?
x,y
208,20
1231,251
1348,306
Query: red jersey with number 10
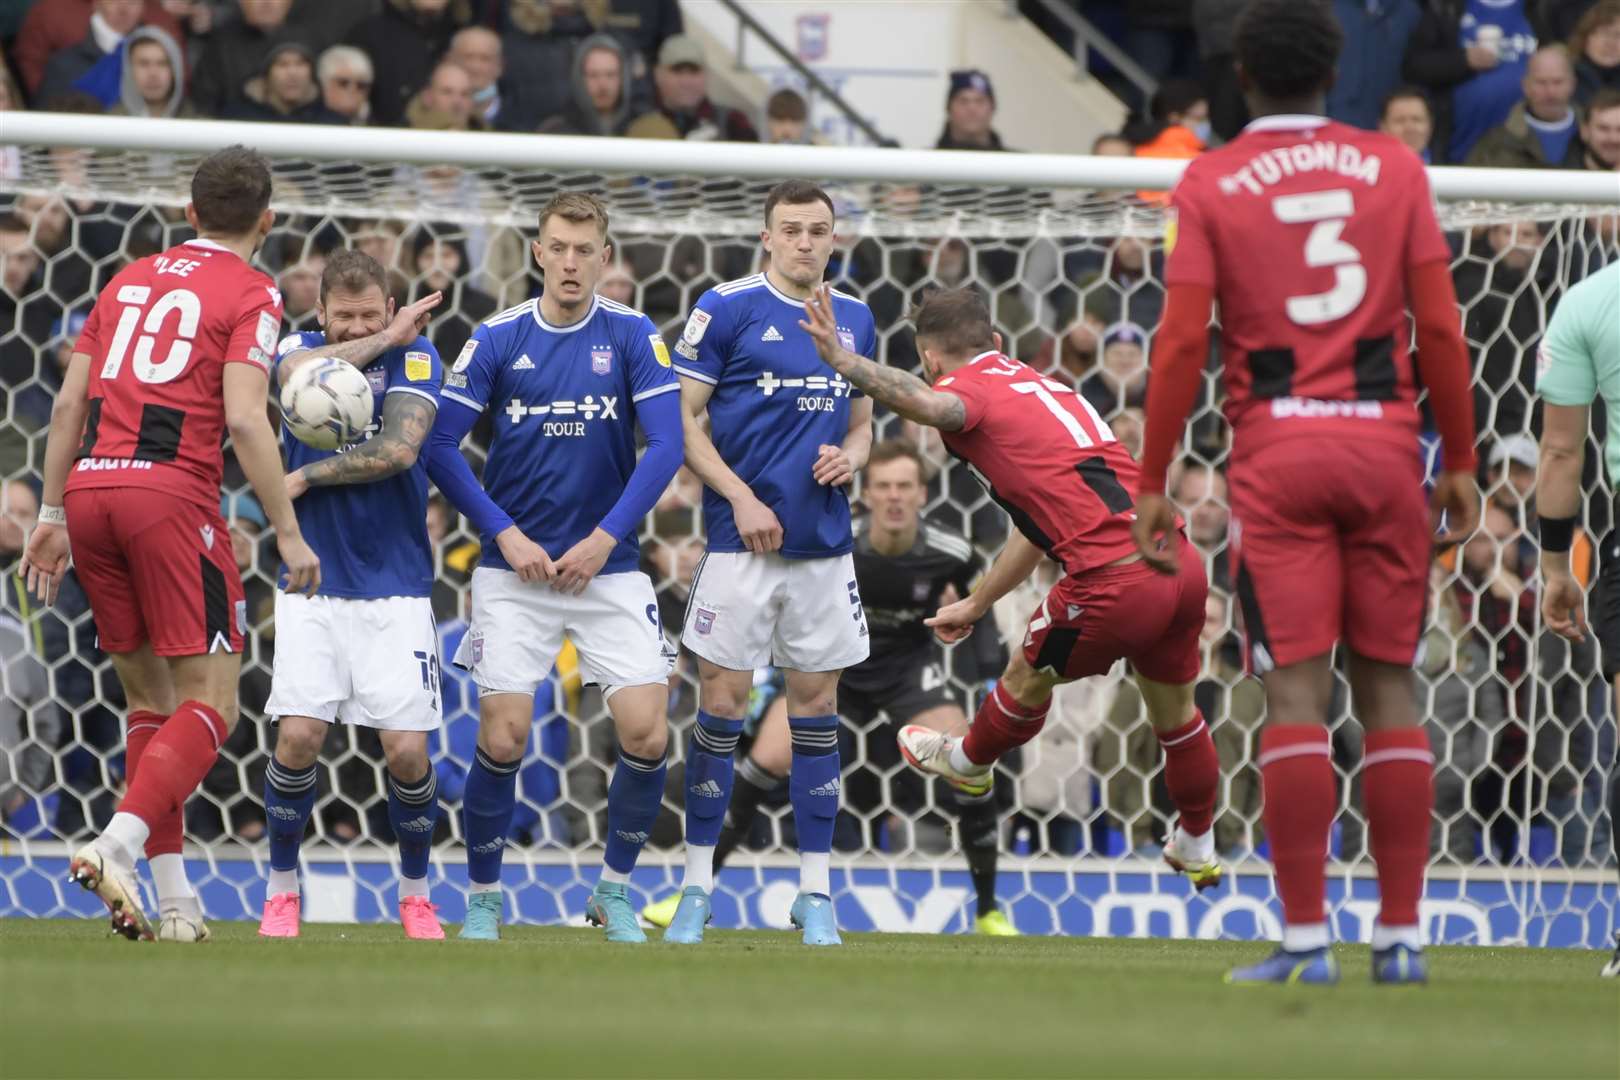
x,y
158,339
1047,458
1305,228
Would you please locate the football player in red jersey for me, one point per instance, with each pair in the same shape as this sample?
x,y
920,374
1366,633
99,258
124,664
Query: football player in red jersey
x,y
176,352
1314,238
1052,463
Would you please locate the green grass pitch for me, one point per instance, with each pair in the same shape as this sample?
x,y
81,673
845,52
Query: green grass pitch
x,y
359,1001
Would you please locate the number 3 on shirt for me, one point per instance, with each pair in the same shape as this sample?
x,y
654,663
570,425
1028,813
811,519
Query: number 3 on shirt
x,y
1324,247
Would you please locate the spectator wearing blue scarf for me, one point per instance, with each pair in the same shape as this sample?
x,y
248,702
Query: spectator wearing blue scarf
x,y
1541,132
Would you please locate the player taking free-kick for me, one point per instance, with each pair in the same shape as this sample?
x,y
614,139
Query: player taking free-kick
x,y
176,351
1051,462
1315,238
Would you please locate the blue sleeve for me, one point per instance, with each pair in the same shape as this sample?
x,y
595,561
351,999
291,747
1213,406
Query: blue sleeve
x,y
471,379
706,340
651,373
660,419
416,370
297,341
451,473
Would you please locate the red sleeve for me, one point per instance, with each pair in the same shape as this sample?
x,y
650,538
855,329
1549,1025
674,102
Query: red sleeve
x,y
90,342
1190,256
970,391
1442,360
257,329
1424,240
1180,347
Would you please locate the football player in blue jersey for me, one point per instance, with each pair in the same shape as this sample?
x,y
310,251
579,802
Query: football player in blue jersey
x,y
364,650
776,436
566,378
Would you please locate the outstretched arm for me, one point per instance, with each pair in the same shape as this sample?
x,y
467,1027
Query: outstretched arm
x,y
46,560
404,328
407,419
899,390
1016,562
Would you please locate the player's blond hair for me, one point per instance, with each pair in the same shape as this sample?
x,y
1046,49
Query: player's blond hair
x,y
578,207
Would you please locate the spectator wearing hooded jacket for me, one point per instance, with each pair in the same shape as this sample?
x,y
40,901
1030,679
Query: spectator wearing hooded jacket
x,y
94,63
237,50
970,108
682,84
286,91
51,27
601,83
154,77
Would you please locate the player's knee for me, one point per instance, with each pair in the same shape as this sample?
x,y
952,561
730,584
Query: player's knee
x,y
1027,686
648,743
297,746
722,699
501,743
407,764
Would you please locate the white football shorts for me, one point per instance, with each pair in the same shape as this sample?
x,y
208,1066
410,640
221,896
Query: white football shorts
x,y
369,662
518,628
748,610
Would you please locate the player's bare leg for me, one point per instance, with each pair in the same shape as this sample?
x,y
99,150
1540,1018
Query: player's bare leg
x,y
289,799
634,796
1296,771
1192,773
1397,785
1011,715
413,813
504,720
172,765
814,790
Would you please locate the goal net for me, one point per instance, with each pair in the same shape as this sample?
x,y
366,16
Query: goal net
x,y
1070,253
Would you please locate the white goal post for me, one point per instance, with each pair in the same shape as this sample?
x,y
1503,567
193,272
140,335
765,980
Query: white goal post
x,y
1068,253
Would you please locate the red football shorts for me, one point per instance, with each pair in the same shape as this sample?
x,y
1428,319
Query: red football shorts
x,y
1330,541
1088,621
156,568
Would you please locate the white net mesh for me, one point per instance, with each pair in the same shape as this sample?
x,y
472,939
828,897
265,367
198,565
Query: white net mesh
x,y
1522,725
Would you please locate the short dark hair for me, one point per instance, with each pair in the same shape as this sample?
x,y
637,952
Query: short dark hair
x,y
575,206
352,272
796,193
1288,48
1602,101
1176,96
12,223
893,450
1403,93
956,320
230,190
786,104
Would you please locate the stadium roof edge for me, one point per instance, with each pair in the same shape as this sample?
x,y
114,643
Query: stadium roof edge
x,y
564,153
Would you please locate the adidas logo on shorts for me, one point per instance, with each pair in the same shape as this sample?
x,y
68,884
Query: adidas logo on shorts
x,y
771,334
831,787
708,789
523,363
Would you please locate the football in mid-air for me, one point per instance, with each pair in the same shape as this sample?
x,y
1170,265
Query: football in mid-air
x,y
327,403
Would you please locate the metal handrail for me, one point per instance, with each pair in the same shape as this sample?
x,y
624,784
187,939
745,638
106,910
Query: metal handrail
x,y
1091,37
747,22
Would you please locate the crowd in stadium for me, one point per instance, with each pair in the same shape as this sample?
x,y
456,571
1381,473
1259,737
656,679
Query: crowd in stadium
x,y
1546,95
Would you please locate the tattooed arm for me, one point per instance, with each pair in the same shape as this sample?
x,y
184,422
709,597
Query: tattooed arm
x,y
407,419
402,329
899,390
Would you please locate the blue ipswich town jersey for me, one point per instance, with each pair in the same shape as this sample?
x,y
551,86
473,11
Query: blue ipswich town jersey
x,y
371,538
563,401
775,404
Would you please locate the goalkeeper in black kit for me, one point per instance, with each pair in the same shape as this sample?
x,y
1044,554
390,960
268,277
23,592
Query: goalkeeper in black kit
x,y
907,569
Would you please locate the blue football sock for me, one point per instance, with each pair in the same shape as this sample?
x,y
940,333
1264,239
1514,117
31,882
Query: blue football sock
x,y
289,796
636,792
413,811
487,805
710,767
813,782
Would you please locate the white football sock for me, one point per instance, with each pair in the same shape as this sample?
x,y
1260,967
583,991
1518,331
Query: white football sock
x,y
699,867
610,876
815,872
476,887
1384,937
1307,937
129,833
963,764
412,886
281,881
169,875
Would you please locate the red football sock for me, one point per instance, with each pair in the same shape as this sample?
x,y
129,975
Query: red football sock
x,y
167,836
174,762
1296,772
1192,772
1000,725
1397,784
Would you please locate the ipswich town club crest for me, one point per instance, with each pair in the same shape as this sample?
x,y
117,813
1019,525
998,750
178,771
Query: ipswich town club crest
x,y
705,621
602,360
477,649
846,338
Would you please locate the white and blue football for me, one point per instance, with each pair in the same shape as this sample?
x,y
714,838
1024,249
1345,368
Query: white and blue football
x,y
327,403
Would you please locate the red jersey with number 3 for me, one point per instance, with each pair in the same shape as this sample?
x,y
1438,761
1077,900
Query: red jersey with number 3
x,y
1305,228
158,339
1047,458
